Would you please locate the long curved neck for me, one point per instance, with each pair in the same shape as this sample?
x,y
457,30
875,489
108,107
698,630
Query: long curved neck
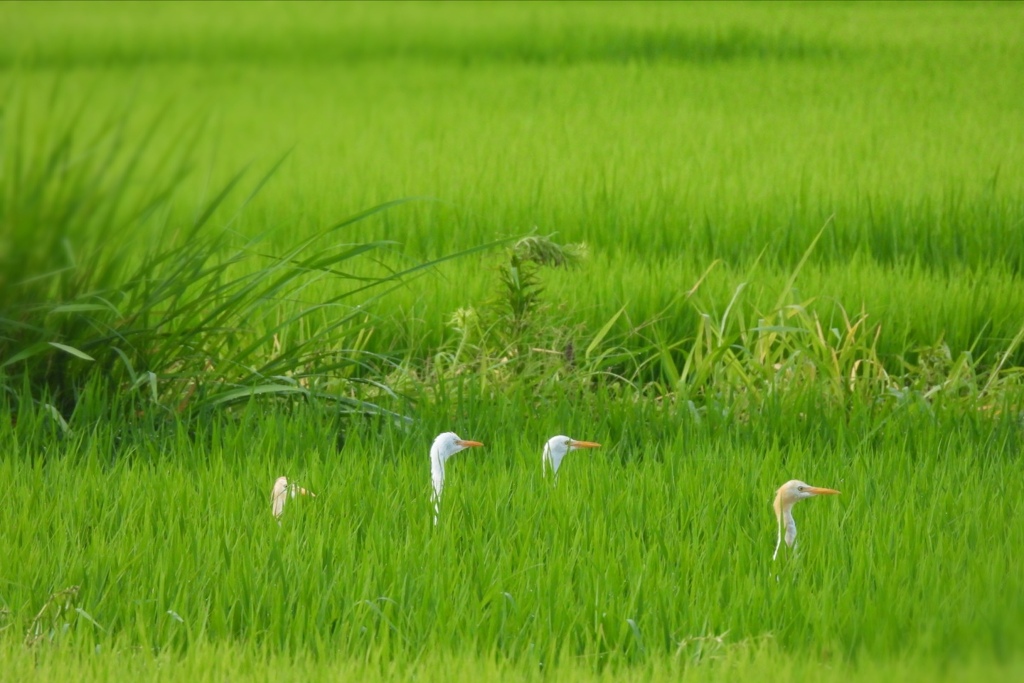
x,y
437,472
784,515
553,460
437,479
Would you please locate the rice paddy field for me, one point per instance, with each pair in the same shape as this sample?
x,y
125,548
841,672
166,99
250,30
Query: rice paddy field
x,y
736,244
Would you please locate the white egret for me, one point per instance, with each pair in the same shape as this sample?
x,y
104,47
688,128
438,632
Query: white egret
x,y
557,448
788,495
282,489
445,446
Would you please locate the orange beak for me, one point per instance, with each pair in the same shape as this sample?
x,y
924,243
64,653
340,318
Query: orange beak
x,y
467,444
584,444
821,492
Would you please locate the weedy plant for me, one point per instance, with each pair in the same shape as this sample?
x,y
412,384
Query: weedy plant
x,y
56,618
519,304
515,337
743,360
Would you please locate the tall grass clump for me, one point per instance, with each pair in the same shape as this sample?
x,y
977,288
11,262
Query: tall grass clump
x,y
744,359
734,361
104,293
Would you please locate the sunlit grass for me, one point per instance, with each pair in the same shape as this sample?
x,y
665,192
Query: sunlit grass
x,y
660,536
803,260
662,162
239,662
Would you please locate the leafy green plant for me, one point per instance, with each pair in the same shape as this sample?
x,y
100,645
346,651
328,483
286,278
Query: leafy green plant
x,y
515,336
520,301
202,320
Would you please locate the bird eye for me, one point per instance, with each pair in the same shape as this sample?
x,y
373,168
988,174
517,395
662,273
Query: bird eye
x,y
799,488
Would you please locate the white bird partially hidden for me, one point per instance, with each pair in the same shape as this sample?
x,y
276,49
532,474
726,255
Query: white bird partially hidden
x,y
445,446
557,448
282,491
788,495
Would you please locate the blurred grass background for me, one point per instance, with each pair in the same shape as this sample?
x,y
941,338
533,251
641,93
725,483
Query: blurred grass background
x,y
665,136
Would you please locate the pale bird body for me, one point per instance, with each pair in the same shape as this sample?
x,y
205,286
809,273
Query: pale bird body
x,y
556,449
445,446
788,495
282,491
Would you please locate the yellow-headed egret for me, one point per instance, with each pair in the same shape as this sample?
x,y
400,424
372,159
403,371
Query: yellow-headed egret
x,y
788,495
282,491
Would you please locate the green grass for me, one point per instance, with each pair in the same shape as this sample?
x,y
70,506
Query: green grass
x,y
902,124
150,526
208,663
804,258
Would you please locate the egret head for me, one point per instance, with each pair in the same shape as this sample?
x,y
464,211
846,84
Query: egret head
x,y
282,491
445,446
448,444
795,490
558,446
